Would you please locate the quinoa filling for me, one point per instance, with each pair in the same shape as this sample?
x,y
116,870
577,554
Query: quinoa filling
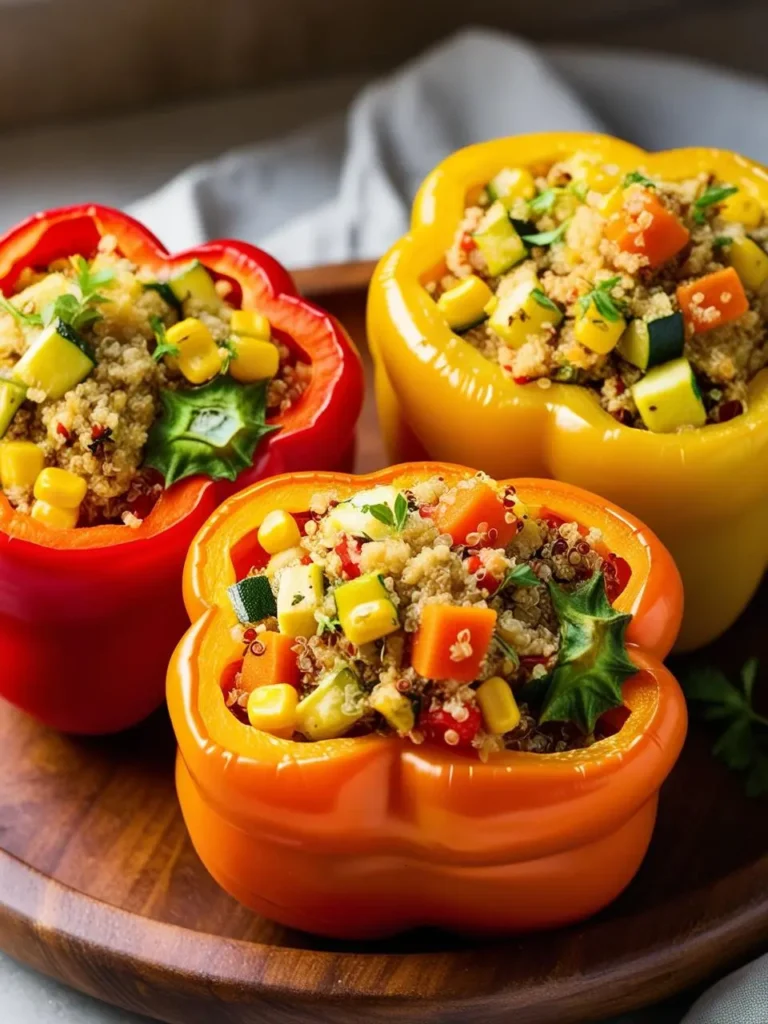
x,y
99,359
651,293
438,614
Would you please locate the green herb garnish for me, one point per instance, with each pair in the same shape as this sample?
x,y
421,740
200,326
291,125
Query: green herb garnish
x,y
579,189
26,319
543,300
547,237
637,178
719,241
592,662
743,743
212,430
396,518
164,347
544,201
608,307
520,576
507,650
327,624
296,599
714,194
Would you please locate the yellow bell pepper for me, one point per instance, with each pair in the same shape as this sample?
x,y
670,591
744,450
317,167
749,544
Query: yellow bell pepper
x,y
440,398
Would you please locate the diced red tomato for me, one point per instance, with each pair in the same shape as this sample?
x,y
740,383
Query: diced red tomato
x,y
522,380
348,551
467,243
435,724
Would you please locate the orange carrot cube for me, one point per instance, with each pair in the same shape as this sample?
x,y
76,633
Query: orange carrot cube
x,y
476,517
646,227
270,659
452,641
713,300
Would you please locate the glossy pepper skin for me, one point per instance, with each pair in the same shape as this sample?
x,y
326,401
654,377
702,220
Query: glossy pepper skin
x,y
365,837
90,617
704,491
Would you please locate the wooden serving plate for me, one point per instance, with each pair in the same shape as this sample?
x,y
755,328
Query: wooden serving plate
x,y
100,887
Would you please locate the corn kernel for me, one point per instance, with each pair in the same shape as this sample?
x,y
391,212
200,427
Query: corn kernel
x,y
749,261
278,532
199,358
21,462
61,488
742,208
54,516
254,359
248,321
283,559
394,707
593,331
365,610
273,708
498,705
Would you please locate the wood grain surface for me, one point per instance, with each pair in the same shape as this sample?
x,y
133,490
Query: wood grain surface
x,y
100,887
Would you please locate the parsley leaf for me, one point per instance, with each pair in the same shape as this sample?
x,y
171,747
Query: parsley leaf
x,y
609,308
592,662
544,201
326,624
544,300
743,743
637,178
401,512
714,194
547,237
384,514
719,241
164,347
27,319
519,576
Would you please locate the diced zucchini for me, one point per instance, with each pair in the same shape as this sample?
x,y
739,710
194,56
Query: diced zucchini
x,y
668,397
647,343
351,518
365,609
498,241
252,599
525,310
11,397
166,293
42,292
394,707
333,707
299,596
57,362
749,261
194,282
510,184
463,306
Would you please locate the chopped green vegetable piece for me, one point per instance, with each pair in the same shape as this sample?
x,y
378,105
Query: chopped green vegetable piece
x,y
714,194
166,293
164,347
212,430
592,662
56,362
544,201
12,396
252,599
743,743
721,241
637,178
547,237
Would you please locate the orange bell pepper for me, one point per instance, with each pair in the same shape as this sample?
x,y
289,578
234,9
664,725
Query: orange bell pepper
x,y
270,659
367,836
476,510
658,240
441,629
703,491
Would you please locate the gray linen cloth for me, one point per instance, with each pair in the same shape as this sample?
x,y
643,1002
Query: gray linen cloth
x,y
341,191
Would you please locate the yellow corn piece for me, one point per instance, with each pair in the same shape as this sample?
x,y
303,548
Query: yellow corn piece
x,y
283,559
464,305
365,609
199,358
273,708
254,359
394,707
498,705
54,516
278,532
60,488
749,261
742,208
595,332
248,321
21,462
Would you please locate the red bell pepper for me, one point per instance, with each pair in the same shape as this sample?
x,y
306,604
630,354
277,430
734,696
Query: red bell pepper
x,y
89,617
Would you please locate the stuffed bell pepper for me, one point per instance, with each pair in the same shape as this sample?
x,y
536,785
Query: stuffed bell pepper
x,y
568,305
424,697
138,389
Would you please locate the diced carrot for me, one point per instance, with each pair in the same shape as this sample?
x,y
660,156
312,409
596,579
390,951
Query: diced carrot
x,y
452,641
477,517
646,227
713,300
270,658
